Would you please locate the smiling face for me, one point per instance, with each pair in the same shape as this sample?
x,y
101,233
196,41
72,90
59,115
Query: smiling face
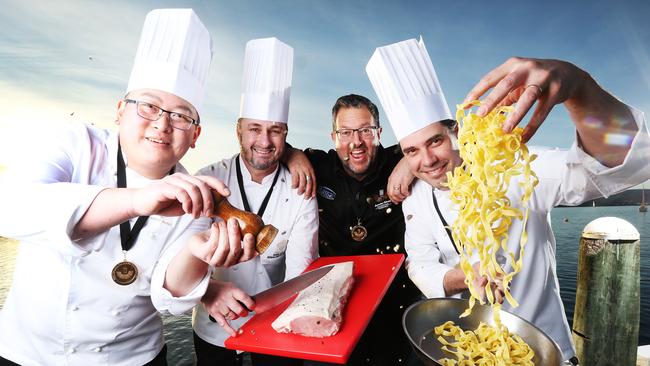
x,y
430,154
261,144
355,152
152,148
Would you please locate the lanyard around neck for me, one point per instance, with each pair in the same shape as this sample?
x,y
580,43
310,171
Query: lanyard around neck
x,y
128,236
240,182
444,222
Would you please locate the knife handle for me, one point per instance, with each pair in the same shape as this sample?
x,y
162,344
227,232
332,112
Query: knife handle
x,y
248,221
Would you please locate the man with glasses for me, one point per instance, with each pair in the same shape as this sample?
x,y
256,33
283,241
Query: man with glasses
x,y
152,112
357,217
99,215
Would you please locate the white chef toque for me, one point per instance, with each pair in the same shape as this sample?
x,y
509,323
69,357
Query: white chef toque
x,y
266,84
173,55
407,86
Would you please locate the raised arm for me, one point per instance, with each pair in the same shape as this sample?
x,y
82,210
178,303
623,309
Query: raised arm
x,y
173,195
598,116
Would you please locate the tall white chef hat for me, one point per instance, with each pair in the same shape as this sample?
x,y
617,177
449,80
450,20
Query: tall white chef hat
x,y
407,86
266,84
174,55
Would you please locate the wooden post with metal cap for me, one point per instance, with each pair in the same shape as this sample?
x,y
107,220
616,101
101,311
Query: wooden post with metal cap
x,y
606,316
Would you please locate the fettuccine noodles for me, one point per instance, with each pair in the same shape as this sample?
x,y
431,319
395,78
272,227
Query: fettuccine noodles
x,y
478,187
486,345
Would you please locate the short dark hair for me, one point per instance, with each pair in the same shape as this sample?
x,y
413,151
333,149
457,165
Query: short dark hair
x,y
449,123
354,101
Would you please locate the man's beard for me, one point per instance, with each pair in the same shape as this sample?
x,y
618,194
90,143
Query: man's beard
x,y
258,163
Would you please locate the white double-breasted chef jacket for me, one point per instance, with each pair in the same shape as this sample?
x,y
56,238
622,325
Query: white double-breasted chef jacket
x,y
292,250
565,178
63,307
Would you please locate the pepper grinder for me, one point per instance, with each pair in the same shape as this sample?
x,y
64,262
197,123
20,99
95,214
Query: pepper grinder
x,y
248,221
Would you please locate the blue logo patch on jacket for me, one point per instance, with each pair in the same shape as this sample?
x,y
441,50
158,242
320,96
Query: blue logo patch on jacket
x,y
326,193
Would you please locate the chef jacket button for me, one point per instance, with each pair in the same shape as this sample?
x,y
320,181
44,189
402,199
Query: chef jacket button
x,y
115,313
72,350
74,308
97,349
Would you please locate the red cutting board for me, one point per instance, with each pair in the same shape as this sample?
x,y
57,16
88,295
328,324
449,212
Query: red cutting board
x,y
373,275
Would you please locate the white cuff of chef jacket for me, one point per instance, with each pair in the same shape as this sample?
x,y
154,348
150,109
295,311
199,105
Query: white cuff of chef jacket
x,y
431,280
164,301
634,169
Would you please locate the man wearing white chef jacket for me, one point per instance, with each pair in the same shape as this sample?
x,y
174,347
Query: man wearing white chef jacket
x,y
419,115
108,208
259,184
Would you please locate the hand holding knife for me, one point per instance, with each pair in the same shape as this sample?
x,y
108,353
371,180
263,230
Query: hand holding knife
x,y
228,302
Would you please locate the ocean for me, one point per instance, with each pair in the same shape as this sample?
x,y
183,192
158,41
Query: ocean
x,y
567,224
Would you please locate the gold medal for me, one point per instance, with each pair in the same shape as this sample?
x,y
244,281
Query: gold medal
x,y
124,273
358,231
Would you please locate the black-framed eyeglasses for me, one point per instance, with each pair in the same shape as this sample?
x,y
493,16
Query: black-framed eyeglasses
x,y
347,134
152,112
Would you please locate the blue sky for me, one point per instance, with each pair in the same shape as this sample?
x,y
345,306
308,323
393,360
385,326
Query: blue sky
x,y
60,57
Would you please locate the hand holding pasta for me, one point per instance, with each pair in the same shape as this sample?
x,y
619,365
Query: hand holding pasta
x,y
478,187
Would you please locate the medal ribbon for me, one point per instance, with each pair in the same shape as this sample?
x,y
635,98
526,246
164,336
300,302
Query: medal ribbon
x,y
128,236
240,182
358,211
444,222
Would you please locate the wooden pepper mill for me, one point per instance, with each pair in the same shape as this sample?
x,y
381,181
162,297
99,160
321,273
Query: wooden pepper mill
x,y
248,221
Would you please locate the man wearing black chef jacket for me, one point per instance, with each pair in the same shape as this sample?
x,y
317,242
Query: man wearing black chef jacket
x,y
357,217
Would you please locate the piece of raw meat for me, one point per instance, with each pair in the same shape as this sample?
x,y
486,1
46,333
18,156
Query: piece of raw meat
x,y
317,310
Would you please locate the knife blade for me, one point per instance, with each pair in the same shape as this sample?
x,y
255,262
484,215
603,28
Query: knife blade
x,y
277,294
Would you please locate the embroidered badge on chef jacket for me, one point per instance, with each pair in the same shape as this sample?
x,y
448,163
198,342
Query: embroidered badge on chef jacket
x,y
380,201
326,193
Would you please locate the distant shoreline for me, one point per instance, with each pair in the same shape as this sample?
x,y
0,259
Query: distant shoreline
x,y
631,197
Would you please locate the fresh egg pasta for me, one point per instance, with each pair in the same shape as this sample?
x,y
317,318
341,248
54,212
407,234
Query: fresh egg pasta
x,y
478,187
486,345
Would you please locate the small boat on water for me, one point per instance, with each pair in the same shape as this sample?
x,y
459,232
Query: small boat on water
x,y
643,207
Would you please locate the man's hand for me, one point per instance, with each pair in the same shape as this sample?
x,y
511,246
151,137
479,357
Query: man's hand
x,y
178,194
225,302
481,284
303,176
222,245
399,182
454,282
525,81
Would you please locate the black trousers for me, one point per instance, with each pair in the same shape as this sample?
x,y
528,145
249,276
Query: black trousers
x,y
208,354
160,360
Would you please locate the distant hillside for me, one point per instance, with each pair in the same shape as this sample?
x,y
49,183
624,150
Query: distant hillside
x,y
631,197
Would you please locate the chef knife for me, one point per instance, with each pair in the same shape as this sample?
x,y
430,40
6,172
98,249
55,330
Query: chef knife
x,y
277,294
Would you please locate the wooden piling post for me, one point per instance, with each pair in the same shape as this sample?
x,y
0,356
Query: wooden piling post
x,y
606,316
